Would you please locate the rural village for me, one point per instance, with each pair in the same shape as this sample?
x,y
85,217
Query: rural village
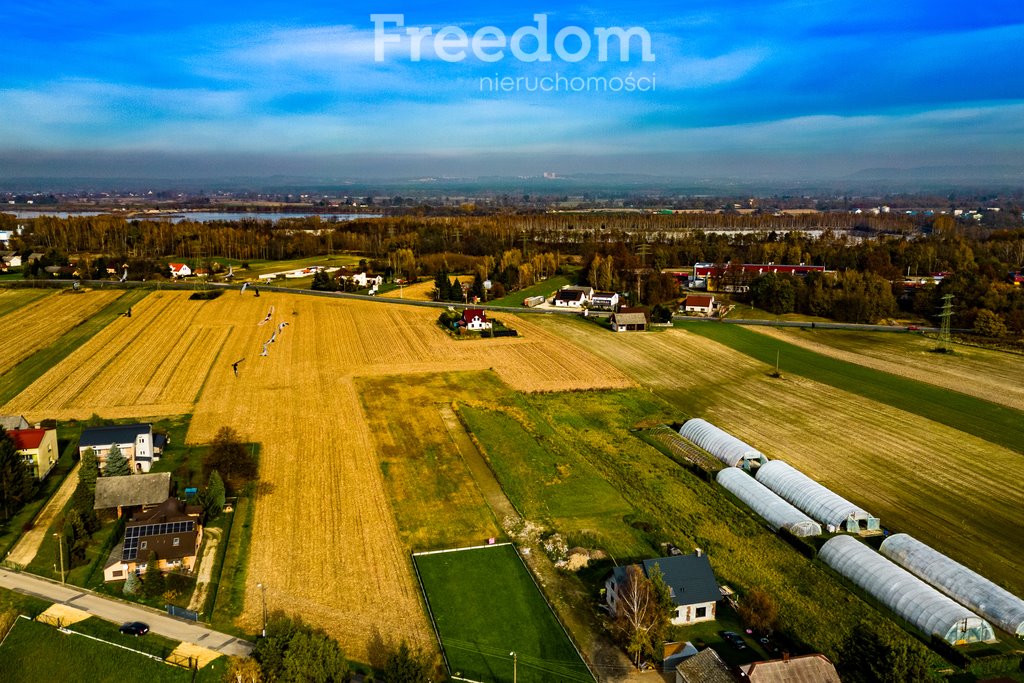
x,y
590,447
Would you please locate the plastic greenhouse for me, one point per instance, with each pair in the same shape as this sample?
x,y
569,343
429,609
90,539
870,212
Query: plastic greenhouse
x,y
907,596
778,513
1001,607
720,444
814,499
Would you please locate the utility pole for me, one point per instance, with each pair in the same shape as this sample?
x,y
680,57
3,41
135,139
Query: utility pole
x,y
945,340
263,594
515,665
60,545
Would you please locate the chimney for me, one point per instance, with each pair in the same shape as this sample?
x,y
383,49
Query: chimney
x,y
785,657
698,552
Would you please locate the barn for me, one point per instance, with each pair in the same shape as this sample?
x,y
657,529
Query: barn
x,y
778,513
998,605
721,444
814,499
907,596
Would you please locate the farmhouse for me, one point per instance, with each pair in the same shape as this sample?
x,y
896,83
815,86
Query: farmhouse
x,y
362,279
690,580
137,493
570,297
628,321
38,448
179,269
170,530
10,259
475,319
805,669
604,301
699,304
135,442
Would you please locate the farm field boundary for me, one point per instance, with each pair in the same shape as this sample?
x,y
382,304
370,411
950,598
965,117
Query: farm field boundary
x,y
994,423
479,627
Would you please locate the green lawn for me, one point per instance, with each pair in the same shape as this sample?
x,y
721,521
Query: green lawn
x,y
485,606
545,288
994,423
32,368
38,652
11,530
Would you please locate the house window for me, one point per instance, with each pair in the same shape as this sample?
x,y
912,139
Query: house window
x,y
701,613
177,541
117,574
142,546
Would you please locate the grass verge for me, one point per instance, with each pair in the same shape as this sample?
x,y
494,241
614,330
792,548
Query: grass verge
x,y
229,587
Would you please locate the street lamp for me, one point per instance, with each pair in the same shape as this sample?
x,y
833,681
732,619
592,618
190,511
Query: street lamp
x,y
515,665
263,594
60,545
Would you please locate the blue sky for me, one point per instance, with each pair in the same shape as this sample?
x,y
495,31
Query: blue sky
x,y
743,88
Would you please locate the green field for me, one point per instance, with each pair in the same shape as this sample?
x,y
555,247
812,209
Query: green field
x,y
38,652
550,483
485,606
991,422
544,288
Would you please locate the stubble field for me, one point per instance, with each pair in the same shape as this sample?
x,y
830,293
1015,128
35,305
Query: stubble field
x,y
36,324
325,541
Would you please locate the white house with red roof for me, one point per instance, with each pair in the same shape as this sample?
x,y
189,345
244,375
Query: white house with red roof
x,y
38,448
700,304
179,269
475,320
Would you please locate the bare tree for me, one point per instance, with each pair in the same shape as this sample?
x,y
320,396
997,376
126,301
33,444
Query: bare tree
x,y
640,614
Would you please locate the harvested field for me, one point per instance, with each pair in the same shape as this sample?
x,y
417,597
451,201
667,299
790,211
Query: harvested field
x,y
305,398
948,488
421,291
153,363
322,494
987,374
13,299
43,320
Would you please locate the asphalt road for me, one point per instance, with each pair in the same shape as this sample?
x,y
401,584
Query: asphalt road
x,y
119,612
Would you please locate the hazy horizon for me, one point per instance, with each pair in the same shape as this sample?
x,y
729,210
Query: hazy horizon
x,y
786,90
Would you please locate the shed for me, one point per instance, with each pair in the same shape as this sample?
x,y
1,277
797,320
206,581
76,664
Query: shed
x,y
628,322
720,443
817,501
704,667
778,513
998,605
804,669
910,598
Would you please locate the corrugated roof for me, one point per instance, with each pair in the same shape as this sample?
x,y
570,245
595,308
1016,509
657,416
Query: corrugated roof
x,y
119,434
628,318
134,489
705,667
804,669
